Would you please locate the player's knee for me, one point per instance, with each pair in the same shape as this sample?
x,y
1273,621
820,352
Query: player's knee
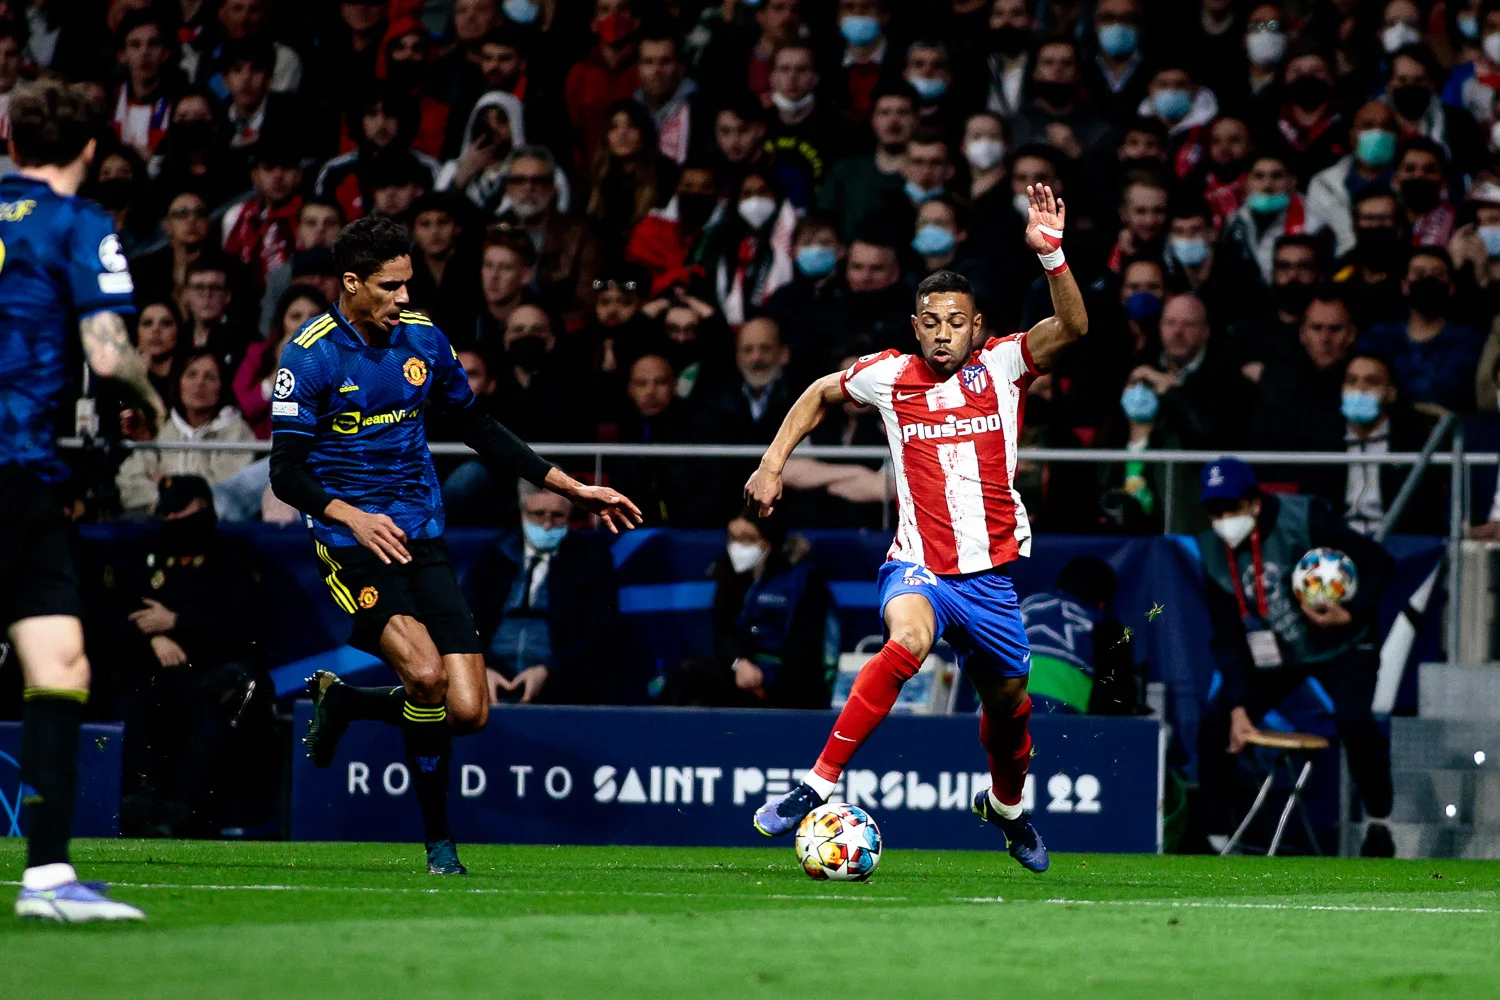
x,y
915,638
468,716
427,682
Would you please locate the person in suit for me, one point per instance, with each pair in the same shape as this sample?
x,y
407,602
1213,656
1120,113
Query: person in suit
x,y
544,603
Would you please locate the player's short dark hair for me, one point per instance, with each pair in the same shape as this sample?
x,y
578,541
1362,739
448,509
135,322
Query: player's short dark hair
x,y
661,30
895,88
1317,242
1420,53
944,281
51,123
140,18
817,218
209,263
928,135
1422,144
366,245
1330,293
1151,126
1188,206
743,105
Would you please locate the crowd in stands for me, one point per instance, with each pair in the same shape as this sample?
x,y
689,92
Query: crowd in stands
x,y
656,220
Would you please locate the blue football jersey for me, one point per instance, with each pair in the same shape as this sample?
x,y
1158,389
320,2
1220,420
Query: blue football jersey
x,y
363,406
60,261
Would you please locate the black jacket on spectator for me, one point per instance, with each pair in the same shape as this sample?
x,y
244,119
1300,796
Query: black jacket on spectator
x,y
583,604
668,491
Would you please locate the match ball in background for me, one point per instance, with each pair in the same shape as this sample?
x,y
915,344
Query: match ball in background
x,y
838,841
1325,576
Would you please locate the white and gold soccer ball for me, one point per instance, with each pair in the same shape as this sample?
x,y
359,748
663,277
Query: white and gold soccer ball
x,y
838,842
1325,576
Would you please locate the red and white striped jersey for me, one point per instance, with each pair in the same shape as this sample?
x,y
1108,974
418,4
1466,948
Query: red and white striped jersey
x,y
953,444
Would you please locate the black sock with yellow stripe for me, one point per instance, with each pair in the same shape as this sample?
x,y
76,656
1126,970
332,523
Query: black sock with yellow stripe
x,y
49,770
429,744
381,704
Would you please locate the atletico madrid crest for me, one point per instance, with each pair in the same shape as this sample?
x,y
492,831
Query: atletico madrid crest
x,y
976,378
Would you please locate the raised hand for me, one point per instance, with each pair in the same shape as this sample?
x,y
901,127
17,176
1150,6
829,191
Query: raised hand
x,y
613,508
1046,212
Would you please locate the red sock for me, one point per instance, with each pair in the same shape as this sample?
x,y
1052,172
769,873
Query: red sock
x,y
1007,742
875,691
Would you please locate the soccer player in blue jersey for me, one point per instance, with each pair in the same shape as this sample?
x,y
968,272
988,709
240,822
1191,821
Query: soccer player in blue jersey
x,y
60,268
349,450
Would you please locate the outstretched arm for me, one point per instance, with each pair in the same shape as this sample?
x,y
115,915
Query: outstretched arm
x,y
106,344
764,487
1069,321
496,444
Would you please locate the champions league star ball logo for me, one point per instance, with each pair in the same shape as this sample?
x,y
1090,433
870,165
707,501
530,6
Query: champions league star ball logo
x,y
976,378
285,383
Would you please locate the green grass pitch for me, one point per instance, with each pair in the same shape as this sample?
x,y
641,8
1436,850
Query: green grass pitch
x,y
328,921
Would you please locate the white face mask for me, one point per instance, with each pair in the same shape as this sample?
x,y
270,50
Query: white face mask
x,y
1491,46
788,106
1265,48
983,154
1234,529
744,557
755,211
1022,203
1495,136
1397,35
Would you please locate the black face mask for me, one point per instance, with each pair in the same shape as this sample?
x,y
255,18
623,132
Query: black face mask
x,y
1420,195
1010,40
693,210
681,355
1428,297
1231,170
114,194
1378,248
1292,297
527,353
1411,101
1308,92
194,136
1056,94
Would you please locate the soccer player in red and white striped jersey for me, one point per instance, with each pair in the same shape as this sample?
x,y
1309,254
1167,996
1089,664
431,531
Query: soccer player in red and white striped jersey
x,y
952,416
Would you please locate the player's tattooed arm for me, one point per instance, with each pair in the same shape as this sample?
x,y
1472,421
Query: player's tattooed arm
x,y
106,344
764,487
1047,217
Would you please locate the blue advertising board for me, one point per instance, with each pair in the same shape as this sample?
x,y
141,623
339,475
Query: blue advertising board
x,y
540,775
97,810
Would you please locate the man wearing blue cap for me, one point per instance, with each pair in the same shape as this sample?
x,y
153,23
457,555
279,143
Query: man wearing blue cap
x,y
1266,642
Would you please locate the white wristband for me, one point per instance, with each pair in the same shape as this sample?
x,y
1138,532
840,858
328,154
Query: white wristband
x,y
1052,261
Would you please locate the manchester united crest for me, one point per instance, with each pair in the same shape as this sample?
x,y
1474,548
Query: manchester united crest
x,y
369,595
415,371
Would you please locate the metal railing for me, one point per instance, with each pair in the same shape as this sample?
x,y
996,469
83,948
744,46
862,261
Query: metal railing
x,y
1455,458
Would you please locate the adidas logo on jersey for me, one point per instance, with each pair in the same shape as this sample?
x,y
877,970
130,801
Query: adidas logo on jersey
x,y
348,386
953,427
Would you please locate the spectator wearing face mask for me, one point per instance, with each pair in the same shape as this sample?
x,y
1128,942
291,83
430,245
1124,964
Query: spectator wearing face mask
x,y
1132,492
926,171
1311,133
1472,84
748,255
1272,209
1371,273
1376,422
771,625
1411,86
1476,249
867,56
669,241
1117,75
860,185
1179,103
605,76
804,137
806,307
1369,164
546,605
1266,643
983,150
538,383
1268,335
1265,44
1190,249
929,71
1011,24
1056,112
1434,357
1421,179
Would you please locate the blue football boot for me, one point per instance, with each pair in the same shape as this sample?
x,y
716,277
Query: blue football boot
x,y
1025,844
74,903
782,814
442,859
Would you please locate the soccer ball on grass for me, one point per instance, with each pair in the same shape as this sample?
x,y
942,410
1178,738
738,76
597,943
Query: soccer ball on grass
x,y
1325,576
838,841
